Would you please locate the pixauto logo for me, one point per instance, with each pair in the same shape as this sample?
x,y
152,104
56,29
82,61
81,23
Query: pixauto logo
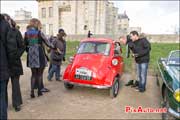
x,y
140,109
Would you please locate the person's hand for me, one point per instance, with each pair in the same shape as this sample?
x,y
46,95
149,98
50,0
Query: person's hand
x,y
58,51
135,55
123,40
49,50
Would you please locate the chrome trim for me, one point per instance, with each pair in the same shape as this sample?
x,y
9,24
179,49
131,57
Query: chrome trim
x,y
174,113
164,79
87,85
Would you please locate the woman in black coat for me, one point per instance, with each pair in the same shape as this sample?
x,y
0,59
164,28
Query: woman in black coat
x,y
15,49
4,73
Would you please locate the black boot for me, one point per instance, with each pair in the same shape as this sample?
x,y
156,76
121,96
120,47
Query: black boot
x,y
130,82
39,93
17,108
32,94
136,84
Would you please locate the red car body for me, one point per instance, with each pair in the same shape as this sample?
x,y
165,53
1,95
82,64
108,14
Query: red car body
x,y
96,70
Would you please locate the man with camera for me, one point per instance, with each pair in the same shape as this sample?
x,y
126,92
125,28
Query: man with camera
x,y
57,55
133,82
140,48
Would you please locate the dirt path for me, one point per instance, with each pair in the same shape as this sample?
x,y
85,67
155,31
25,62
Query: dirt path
x,y
84,103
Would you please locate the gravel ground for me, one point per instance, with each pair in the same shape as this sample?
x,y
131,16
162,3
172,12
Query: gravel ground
x,y
84,103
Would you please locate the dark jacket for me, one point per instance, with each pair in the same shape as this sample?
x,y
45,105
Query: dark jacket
x,y
142,48
15,49
61,45
4,28
64,48
89,34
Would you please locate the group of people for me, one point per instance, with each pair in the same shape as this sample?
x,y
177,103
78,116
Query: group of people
x,y
34,42
13,45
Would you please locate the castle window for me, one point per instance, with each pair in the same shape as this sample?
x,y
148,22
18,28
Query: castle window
x,y
43,12
84,2
85,27
50,12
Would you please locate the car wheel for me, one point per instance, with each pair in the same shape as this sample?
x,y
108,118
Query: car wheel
x,y
115,88
68,85
166,116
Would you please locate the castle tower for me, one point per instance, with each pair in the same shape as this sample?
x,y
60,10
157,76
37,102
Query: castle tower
x,y
76,17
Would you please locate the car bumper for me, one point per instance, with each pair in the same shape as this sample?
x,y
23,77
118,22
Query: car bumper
x,y
88,85
174,113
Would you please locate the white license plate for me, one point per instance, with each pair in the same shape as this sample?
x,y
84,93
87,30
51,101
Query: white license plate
x,y
83,72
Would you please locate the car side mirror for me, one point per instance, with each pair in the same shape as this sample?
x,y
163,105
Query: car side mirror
x,y
117,52
118,49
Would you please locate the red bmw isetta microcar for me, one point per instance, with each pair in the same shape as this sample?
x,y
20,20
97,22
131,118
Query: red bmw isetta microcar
x,y
98,63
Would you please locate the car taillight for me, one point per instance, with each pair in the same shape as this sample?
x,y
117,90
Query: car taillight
x,y
71,59
114,61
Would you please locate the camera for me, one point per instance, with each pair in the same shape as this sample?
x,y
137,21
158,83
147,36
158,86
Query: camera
x,y
127,47
128,37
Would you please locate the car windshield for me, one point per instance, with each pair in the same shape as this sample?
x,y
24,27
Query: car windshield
x,y
94,48
174,58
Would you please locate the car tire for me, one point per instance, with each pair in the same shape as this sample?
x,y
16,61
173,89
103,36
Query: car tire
x,y
166,116
68,85
114,90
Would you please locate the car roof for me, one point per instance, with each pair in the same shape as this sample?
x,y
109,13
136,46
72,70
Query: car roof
x,y
98,40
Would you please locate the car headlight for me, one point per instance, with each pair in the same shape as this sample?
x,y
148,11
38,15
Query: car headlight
x,y
177,95
115,62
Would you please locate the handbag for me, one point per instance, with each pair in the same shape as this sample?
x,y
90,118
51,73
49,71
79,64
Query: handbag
x,y
57,56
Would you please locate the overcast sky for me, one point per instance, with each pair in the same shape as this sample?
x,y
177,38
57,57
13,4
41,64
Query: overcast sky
x,y
155,17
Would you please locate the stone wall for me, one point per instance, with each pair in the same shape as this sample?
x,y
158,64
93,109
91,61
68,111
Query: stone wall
x,y
164,38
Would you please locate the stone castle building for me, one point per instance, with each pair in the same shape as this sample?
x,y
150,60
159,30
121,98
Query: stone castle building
x,y
22,18
123,23
78,17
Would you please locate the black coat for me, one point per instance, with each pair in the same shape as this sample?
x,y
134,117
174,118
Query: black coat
x,y
4,28
142,48
15,49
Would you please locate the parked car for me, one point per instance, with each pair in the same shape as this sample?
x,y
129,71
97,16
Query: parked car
x,y
168,80
98,63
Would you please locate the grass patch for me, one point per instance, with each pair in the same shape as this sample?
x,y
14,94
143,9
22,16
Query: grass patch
x,y
158,50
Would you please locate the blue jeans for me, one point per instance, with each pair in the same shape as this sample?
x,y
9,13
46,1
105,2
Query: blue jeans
x,y
54,69
142,75
3,100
